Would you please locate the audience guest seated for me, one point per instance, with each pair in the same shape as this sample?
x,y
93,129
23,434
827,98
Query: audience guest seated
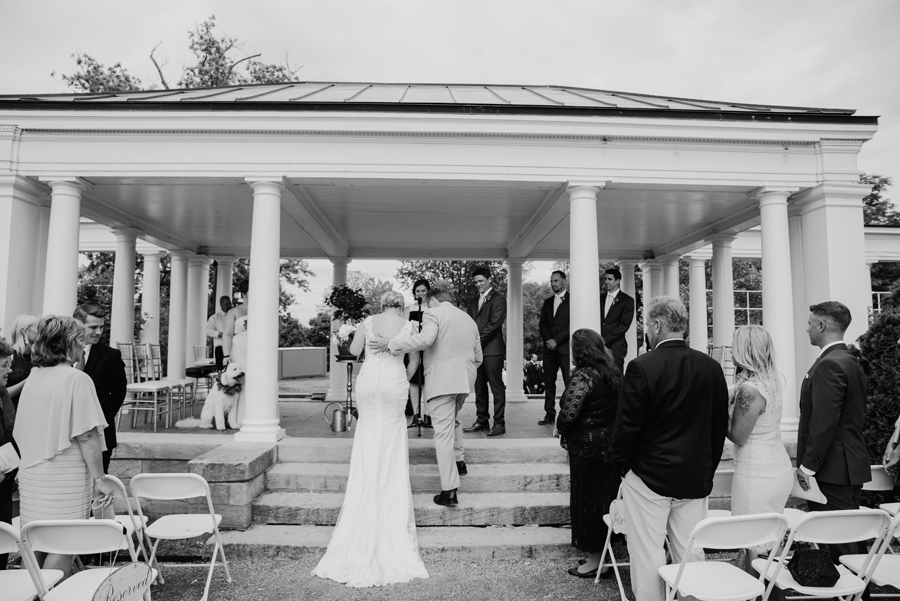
x,y
7,420
59,430
21,338
587,410
763,474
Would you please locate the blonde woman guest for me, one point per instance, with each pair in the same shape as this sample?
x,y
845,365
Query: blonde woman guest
x,y
763,475
22,336
59,430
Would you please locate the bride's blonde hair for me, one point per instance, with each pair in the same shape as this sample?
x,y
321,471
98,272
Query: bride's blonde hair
x,y
752,352
392,299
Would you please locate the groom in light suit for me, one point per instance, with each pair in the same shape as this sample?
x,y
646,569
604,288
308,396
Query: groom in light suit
x,y
452,348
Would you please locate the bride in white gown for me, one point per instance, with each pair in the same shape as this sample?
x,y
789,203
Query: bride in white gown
x,y
374,541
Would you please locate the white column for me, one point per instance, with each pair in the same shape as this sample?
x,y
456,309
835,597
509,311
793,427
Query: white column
x,y
646,293
261,418
778,301
804,352
723,290
627,285
337,375
197,286
584,265
177,331
515,332
121,321
670,277
224,278
150,298
655,273
699,335
61,276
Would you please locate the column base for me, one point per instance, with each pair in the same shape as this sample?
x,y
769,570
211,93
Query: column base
x,y
261,432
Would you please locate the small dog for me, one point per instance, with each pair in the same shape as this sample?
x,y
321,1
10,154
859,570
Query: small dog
x,y
222,399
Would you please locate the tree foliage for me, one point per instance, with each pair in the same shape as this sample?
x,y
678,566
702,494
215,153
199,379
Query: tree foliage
x,y
91,76
370,287
458,273
878,210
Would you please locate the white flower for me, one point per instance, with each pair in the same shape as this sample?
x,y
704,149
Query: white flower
x,y
344,333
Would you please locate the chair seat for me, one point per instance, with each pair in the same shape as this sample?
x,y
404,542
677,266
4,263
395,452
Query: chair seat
x,y
18,586
82,585
180,381
887,572
149,386
891,508
713,580
848,583
184,525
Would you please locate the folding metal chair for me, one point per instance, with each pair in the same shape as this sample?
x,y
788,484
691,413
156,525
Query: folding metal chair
x,y
133,525
716,580
881,479
24,584
172,487
884,570
828,527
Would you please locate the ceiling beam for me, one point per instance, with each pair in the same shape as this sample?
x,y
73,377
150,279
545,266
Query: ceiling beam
x,y
734,223
552,210
307,215
101,212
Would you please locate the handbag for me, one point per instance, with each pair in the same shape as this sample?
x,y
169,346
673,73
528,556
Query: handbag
x,y
813,567
617,514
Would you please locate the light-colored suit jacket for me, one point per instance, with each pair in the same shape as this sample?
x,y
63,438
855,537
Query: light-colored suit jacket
x,y
452,348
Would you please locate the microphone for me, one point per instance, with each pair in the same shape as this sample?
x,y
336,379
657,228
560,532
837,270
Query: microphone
x,y
419,300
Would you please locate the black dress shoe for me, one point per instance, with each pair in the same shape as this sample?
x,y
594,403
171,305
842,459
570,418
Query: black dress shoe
x,y
476,427
461,468
426,422
548,420
447,498
574,572
497,431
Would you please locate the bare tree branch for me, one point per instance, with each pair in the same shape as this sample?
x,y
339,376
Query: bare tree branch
x,y
236,63
162,77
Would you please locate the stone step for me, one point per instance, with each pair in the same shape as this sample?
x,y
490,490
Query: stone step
x,y
296,542
486,509
477,450
482,478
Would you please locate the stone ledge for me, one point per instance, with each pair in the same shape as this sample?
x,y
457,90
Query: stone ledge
x,y
235,461
182,447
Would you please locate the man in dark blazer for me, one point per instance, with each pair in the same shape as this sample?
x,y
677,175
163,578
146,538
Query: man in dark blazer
x,y
489,313
832,410
667,442
617,313
554,328
105,367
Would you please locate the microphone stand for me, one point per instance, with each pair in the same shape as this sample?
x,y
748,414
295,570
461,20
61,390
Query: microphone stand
x,y
417,421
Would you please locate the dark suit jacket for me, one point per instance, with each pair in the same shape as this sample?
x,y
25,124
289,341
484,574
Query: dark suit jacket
x,y
671,420
106,369
615,324
832,409
555,326
490,322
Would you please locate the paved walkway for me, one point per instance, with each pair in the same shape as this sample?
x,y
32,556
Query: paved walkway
x,y
303,415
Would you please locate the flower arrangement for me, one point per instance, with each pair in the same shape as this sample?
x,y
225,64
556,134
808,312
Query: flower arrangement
x,y
348,306
344,334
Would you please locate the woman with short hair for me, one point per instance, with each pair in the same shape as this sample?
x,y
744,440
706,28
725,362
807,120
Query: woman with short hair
x,y
59,430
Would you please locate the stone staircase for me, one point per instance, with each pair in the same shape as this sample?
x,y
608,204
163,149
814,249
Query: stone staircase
x,y
514,502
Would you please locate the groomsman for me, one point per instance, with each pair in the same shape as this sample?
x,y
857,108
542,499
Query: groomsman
x,y
554,328
618,312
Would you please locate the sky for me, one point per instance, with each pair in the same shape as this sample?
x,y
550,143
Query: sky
x,y
815,53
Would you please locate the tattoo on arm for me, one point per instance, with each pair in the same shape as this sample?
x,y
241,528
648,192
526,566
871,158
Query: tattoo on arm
x,y
743,398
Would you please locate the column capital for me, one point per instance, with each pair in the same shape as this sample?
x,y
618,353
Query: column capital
x,y
201,260
342,261
649,264
72,185
154,254
583,191
265,184
518,261
181,254
721,239
627,263
772,195
125,234
224,258
695,259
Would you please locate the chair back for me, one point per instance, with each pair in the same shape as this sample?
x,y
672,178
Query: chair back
x,y
143,370
201,352
136,524
722,483
127,351
834,527
717,353
9,539
156,361
76,537
881,479
169,487
740,531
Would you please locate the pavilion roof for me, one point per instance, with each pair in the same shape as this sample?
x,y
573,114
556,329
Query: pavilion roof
x,y
398,97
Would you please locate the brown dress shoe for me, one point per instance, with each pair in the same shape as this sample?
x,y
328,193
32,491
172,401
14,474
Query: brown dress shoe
x,y
497,431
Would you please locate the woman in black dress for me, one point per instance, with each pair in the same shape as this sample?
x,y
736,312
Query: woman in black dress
x,y
414,313
587,413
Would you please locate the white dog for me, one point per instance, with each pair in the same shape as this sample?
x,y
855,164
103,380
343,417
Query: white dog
x,y
222,399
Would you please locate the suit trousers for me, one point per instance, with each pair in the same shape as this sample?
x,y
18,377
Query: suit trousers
x,y
650,518
620,362
490,372
448,447
553,362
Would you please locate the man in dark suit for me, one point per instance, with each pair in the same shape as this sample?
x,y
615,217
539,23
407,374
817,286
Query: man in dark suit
x,y
832,409
554,328
617,313
667,442
489,313
105,367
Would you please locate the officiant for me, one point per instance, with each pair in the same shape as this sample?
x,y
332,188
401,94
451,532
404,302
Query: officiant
x,y
7,419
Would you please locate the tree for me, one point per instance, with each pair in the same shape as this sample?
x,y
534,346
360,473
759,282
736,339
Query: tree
x,y
371,288
878,210
217,66
458,273
534,294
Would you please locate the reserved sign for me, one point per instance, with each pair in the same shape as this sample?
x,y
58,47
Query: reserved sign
x,y
125,584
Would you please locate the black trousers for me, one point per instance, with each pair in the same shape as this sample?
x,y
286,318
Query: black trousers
x,y
490,372
107,455
841,496
553,362
6,508
219,354
620,362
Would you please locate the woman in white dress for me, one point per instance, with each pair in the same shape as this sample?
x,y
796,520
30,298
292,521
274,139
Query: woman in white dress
x,y
234,343
374,541
763,475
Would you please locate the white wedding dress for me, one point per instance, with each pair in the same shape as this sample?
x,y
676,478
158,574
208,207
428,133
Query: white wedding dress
x,y
374,541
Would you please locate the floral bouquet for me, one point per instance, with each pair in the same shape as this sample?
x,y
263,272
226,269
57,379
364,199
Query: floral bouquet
x,y
344,334
349,307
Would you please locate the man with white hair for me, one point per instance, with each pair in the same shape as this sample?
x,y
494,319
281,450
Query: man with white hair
x,y
667,442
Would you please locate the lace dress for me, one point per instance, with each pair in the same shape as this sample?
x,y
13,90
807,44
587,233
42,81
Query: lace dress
x,y
374,541
763,475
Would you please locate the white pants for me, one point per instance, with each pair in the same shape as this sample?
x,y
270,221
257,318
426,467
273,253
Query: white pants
x,y
650,518
447,436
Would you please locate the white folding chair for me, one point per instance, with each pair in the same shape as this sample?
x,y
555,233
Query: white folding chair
x,y
722,480
74,537
130,522
827,527
715,580
881,479
172,487
24,584
883,570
